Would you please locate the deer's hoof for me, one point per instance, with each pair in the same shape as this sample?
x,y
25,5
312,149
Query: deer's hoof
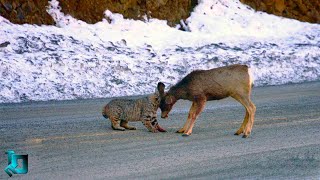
x,y
245,136
185,135
236,134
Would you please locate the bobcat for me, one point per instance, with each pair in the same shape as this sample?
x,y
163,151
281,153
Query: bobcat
x,y
142,109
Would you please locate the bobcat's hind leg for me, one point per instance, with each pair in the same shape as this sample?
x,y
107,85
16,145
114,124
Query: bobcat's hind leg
x,y
125,125
115,124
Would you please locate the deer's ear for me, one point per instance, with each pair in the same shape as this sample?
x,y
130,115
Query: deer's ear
x,y
160,88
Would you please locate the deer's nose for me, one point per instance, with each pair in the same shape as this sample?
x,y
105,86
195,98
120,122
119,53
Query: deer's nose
x,y
164,116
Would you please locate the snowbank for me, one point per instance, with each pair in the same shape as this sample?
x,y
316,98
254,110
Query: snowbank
x,y
128,57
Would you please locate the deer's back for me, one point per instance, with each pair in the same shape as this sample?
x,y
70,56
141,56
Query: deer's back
x,y
215,83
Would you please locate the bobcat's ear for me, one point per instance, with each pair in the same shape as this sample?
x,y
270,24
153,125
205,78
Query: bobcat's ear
x,y
160,88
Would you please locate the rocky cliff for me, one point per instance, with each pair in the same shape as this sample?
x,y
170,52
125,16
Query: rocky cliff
x,y
302,10
25,11
91,11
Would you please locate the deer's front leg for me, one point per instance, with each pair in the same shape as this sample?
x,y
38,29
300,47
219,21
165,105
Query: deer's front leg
x,y
186,124
181,130
196,108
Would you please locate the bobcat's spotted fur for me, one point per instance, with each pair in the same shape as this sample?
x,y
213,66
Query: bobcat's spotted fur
x,y
120,111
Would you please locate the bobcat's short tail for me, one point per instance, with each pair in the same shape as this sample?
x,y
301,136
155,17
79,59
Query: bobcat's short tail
x,y
104,112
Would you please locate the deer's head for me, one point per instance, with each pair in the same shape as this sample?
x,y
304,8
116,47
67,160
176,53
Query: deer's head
x,y
167,100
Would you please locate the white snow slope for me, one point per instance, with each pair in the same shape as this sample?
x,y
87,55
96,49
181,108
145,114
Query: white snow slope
x,y
126,57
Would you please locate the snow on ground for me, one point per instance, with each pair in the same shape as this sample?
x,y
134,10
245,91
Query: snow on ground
x,y
126,57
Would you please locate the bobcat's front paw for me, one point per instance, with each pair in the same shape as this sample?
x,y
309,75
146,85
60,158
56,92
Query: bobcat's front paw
x,y
160,129
153,130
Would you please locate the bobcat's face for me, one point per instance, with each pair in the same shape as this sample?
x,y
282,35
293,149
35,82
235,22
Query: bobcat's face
x,y
155,100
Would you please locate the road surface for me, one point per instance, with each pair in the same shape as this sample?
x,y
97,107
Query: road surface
x,y
71,140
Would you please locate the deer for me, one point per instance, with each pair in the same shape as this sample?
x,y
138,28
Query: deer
x,y
200,86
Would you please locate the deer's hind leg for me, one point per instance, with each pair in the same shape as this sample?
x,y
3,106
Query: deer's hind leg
x,y
249,124
248,121
124,124
245,121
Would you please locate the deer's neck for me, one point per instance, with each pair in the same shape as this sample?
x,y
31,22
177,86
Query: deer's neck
x,y
178,93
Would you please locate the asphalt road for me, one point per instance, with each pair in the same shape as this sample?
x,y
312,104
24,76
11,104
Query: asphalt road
x,y
71,140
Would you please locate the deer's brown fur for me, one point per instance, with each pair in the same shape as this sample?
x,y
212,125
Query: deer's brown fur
x,y
204,85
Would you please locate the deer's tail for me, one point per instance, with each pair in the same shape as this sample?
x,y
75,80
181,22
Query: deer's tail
x,y
251,77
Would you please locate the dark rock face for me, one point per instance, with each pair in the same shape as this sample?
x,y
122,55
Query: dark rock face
x,y
302,10
92,11
25,11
